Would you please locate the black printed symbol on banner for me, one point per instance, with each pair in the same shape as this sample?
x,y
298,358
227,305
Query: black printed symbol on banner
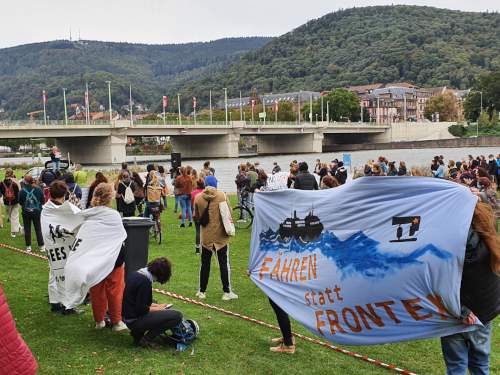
x,y
76,243
412,221
58,233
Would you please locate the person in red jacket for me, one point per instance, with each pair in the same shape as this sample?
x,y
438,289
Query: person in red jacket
x,y
15,356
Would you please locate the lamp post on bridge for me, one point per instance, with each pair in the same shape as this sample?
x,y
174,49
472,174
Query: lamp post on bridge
x,y
65,107
109,101
225,103
210,103
179,107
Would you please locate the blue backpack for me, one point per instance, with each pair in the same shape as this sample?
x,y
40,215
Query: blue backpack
x,y
184,334
32,203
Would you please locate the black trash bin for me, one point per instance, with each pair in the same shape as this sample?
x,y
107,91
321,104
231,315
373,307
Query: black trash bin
x,y
137,243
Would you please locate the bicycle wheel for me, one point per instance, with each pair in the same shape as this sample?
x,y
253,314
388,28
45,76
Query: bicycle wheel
x,y
243,217
158,232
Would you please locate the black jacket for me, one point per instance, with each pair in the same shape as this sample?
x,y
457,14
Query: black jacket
x,y
492,168
305,181
480,288
137,297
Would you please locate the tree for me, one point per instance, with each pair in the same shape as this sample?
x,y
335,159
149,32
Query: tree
x,y
444,104
344,105
489,85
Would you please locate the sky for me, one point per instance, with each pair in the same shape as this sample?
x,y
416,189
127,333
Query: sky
x,y
175,21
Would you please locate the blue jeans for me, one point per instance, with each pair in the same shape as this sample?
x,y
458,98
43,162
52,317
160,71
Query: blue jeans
x,y
468,350
164,198
185,201
177,198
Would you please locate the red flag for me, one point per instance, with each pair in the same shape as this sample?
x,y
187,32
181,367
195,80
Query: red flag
x,y
165,101
276,105
194,102
86,99
253,103
44,97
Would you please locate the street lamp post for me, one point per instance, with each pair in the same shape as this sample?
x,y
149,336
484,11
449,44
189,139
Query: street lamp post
x,y
328,111
109,101
311,108
179,107
241,107
210,104
225,103
65,107
264,108
321,109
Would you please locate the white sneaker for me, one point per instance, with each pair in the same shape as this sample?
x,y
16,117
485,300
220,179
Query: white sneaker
x,y
28,249
120,326
13,235
100,325
42,249
201,295
229,296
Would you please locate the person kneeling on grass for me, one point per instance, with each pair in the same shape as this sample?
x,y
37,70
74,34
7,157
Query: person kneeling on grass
x,y
145,319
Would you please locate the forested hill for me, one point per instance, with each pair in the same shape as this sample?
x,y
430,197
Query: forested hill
x,y
423,45
153,70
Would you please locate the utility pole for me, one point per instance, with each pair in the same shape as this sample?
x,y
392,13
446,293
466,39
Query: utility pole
x,y
210,104
109,101
65,107
131,107
328,111
179,107
225,103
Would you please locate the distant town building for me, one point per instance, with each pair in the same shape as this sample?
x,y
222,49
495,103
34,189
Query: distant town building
x,y
270,99
402,101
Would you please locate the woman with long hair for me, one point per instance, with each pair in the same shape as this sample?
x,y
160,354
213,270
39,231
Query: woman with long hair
x,y
99,178
31,201
479,296
139,191
108,294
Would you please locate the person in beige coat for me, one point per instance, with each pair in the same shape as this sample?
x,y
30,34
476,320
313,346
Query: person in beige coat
x,y
214,238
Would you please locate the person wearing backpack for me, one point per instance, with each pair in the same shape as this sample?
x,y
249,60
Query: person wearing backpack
x,y
152,193
74,194
184,185
214,238
9,189
125,195
145,319
31,200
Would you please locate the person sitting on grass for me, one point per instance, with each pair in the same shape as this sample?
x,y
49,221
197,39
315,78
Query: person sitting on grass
x,y
145,319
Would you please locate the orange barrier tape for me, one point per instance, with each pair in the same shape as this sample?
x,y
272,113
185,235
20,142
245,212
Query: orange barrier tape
x,y
338,349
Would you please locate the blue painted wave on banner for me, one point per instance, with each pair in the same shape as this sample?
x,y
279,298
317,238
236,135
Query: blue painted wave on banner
x,y
357,254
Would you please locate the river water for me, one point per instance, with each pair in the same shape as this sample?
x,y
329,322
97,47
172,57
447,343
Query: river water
x,y
226,169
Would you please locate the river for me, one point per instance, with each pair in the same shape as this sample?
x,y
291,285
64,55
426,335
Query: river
x,y
226,169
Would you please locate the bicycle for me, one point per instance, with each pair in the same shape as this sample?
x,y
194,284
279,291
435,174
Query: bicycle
x,y
155,230
243,212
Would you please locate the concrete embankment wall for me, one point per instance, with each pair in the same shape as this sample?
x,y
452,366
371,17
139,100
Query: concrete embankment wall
x,y
489,141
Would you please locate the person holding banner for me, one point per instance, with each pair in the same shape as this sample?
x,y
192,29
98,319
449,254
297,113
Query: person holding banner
x,y
479,297
59,221
95,261
107,295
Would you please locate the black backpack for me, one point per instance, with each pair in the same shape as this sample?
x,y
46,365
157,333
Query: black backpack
x,y
204,218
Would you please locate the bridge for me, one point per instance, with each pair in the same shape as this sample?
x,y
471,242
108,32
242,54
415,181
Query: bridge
x,y
105,143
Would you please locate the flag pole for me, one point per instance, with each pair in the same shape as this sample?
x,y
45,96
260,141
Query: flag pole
x,y
163,102
241,107
87,104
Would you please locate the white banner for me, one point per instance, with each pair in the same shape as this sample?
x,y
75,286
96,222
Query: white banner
x,y
375,261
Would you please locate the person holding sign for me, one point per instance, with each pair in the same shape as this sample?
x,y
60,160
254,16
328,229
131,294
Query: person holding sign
x,y
479,297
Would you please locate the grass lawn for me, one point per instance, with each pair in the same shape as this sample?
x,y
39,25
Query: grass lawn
x,y
226,345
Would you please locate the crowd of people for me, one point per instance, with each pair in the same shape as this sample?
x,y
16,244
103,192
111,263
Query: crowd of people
x,y
130,305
